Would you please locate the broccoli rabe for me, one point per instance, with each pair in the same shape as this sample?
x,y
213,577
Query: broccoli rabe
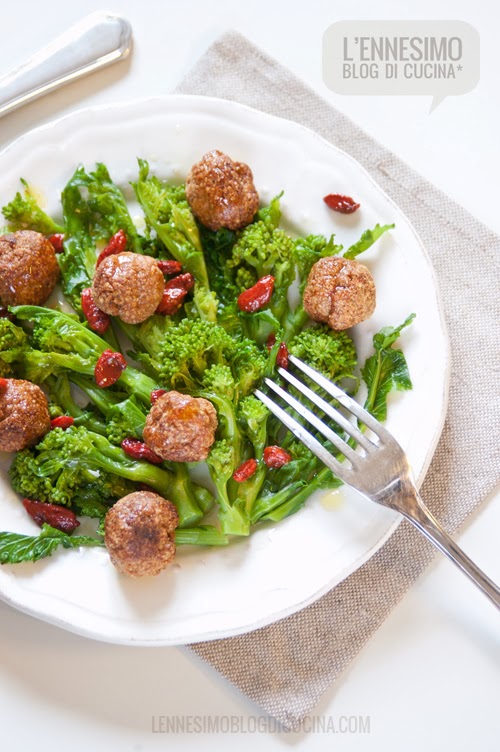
x,y
24,213
210,348
167,212
94,209
331,353
65,344
65,461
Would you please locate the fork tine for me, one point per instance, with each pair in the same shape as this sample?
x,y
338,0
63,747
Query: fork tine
x,y
327,432
306,438
332,413
334,391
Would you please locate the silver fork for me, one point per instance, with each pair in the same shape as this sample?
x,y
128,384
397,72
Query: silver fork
x,y
379,470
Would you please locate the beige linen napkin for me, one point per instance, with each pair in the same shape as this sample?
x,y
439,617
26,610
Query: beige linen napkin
x,y
285,667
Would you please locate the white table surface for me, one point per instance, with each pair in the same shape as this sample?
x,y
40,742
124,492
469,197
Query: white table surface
x,y
430,677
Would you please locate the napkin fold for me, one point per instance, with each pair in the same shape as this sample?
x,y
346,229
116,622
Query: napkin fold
x,y
285,667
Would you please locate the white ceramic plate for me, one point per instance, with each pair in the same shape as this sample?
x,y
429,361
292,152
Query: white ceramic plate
x,y
213,593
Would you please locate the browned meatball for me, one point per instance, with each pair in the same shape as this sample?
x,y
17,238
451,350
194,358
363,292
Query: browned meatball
x,y
181,428
24,414
221,192
128,285
28,268
340,292
139,533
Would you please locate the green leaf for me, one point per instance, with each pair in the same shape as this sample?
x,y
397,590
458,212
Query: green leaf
x,y
389,334
366,240
386,370
15,548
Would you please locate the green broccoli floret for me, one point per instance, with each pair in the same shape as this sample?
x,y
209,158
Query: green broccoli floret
x,y
13,342
65,461
24,213
222,463
63,464
219,379
19,357
331,353
168,213
253,415
187,351
262,249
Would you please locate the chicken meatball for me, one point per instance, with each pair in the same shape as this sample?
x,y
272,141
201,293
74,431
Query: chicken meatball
x,y
139,533
24,414
181,428
221,192
339,292
28,268
128,285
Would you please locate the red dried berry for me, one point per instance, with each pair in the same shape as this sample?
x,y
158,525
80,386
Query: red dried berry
x,y
282,356
245,470
62,421
98,320
275,456
156,394
57,242
3,384
175,291
51,514
182,281
271,341
109,368
342,204
138,450
117,244
258,296
170,266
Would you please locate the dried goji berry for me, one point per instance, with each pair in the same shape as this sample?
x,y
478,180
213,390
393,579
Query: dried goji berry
x,y
109,368
183,281
156,394
175,291
258,296
271,341
342,204
138,450
282,356
245,470
275,456
98,320
170,266
51,514
117,244
57,242
3,384
62,421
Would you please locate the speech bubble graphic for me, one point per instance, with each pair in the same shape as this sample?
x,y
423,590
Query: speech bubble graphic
x,y
437,58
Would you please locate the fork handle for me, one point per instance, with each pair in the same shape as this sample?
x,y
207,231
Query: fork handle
x,y
424,520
